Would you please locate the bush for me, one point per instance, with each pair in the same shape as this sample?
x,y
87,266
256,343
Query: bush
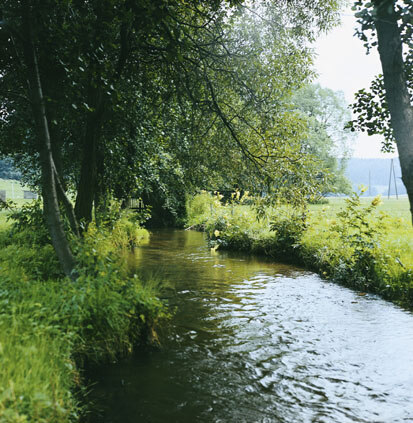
x,y
28,225
199,208
289,226
360,233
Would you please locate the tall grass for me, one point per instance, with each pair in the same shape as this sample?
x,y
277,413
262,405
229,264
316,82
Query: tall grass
x,y
350,240
398,231
50,326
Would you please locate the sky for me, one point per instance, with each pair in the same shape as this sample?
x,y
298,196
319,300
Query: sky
x,y
343,65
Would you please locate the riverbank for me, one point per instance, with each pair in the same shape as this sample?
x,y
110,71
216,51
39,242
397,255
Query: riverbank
x,y
351,241
50,327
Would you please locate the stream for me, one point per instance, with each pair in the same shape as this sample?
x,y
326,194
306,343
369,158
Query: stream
x,y
257,341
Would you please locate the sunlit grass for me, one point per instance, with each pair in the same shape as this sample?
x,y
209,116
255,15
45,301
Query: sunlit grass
x,y
398,239
382,264
3,220
14,189
395,208
37,374
49,325
14,192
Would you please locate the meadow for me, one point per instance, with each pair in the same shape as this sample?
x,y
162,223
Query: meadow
x,y
397,225
396,208
14,190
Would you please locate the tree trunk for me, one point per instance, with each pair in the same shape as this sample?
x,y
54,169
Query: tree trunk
x,y
395,84
48,180
88,172
50,88
63,199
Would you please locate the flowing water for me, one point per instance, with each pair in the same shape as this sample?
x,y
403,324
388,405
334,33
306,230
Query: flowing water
x,y
255,341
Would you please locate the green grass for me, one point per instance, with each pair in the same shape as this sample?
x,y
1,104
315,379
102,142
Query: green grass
x,y
398,240
49,326
369,253
38,376
395,208
3,220
14,190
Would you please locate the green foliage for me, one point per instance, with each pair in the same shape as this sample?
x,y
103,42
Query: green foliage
x,y
171,95
140,217
326,114
198,208
372,113
355,226
371,107
289,226
7,170
29,262
28,224
38,375
346,241
361,233
49,325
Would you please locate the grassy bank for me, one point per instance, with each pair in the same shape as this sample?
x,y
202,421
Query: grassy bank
x,y
362,243
49,327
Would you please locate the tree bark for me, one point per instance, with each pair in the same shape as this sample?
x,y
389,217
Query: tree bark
x,y
50,87
395,84
88,172
48,179
63,199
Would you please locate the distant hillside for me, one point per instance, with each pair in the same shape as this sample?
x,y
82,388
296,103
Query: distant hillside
x,y
358,173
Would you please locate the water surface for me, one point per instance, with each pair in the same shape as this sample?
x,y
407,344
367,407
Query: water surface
x,y
254,341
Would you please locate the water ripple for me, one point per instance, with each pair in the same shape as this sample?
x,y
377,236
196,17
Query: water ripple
x,y
262,343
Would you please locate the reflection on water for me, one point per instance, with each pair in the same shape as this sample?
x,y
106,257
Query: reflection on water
x,y
254,341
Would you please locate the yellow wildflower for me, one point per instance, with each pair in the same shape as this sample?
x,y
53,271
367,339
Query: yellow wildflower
x,y
376,201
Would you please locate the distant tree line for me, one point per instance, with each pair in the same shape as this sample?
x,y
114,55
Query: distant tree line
x,y
8,171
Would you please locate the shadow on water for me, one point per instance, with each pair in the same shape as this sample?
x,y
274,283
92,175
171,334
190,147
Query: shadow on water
x,y
254,341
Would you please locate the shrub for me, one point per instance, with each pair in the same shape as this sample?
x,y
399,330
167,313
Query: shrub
x,y
289,225
200,207
361,233
350,247
28,225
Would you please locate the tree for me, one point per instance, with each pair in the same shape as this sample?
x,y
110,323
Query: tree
x,y
110,96
8,171
326,114
387,108
50,178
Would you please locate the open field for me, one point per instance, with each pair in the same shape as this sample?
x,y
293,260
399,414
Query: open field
x,y
14,190
398,239
395,208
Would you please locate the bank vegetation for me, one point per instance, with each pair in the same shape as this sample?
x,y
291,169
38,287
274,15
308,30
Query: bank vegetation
x,y
50,327
354,243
